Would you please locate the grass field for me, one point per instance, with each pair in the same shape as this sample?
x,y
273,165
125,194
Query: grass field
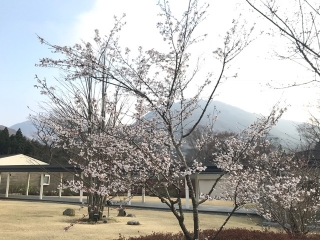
x,y
157,200
35,220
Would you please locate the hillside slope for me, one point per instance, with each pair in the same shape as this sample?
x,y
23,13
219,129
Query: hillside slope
x,y
230,118
234,119
11,131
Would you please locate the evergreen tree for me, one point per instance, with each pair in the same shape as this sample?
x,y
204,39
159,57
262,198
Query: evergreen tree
x,y
4,141
20,142
13,145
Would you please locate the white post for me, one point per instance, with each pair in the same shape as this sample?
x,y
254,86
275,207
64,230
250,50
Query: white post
x,y
41,186
129,197
27,188
187,193
129,191
60,188
8,185
143,195
81,191
196,183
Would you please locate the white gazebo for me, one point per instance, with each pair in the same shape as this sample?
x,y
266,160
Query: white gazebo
x,y
23,163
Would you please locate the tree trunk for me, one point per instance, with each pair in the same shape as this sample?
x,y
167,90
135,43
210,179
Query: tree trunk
x,y
95,203
194,208
184,229
225,222
181,222
195,221
95,206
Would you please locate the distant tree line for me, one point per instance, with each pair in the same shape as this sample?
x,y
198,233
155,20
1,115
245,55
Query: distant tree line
x,y
14,144
19,144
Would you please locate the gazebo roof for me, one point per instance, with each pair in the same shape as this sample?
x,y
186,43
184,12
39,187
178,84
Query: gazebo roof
x,y
19,159
23,163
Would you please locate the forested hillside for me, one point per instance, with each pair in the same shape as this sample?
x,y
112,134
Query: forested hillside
x,y
19,144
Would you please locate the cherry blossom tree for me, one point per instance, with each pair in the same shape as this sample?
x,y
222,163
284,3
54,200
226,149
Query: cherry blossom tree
x,y
84,119
150,148
288,192
283,186
298,23
294,210
310,133
205,153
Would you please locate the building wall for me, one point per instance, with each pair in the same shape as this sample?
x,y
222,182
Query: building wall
x,y
206,181
19,179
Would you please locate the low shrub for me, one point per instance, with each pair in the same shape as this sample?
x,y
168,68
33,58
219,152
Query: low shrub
x,y
226,234
21,189
33,190
51,193
69,192
158,236
17,189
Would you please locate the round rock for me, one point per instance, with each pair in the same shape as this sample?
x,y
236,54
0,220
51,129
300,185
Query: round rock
x,y
133,222
69,212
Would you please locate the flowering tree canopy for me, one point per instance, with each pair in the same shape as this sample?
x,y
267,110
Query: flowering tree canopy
x,y
91,121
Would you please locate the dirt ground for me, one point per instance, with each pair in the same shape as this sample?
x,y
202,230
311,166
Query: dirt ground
x,y
35,220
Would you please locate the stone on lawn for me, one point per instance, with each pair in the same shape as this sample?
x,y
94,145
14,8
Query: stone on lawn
x,y
133,222
69,212
131,215
122,213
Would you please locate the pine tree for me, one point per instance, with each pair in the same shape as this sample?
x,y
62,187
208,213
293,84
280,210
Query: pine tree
x,y
20,142
4,141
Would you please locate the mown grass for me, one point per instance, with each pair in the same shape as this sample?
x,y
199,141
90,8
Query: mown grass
x,y
40,220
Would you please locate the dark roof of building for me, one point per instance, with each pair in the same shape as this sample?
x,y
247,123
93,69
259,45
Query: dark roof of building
x,y
211,168
313,157
39,168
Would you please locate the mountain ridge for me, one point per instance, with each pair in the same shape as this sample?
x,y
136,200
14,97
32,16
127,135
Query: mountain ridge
x,y
234,119
11,131
230,118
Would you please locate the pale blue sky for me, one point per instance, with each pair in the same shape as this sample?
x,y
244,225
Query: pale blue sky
x,y
20,21
64,22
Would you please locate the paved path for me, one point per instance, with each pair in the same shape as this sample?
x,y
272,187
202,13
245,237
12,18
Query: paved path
x,y
134,204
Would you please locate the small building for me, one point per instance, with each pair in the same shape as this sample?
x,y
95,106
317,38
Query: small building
x,y
204,181
21,174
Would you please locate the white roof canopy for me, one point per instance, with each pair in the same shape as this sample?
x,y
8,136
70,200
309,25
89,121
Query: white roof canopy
x,y
19,159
